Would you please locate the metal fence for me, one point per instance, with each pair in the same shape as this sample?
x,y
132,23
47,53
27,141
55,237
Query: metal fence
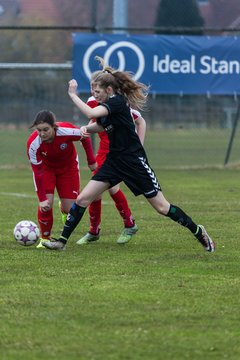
x,y
26,88
182,130
173,119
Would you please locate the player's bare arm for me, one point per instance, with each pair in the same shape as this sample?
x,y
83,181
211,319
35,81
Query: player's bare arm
x,y
140,125
90,129
89,112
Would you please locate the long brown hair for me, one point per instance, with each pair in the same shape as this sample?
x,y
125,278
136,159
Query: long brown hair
x,y
123,83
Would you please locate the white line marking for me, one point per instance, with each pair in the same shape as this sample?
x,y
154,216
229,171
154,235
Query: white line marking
x,y
17,195
26,196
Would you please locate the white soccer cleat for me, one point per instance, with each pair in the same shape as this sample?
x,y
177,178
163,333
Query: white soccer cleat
x,y
54,244
206,241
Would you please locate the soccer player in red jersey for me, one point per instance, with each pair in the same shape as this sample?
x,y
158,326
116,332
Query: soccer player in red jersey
x,y
120,200
54,161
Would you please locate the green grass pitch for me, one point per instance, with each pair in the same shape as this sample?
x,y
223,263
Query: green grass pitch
x,y
158,297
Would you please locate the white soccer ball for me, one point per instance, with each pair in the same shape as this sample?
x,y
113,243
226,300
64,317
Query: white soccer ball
x,y
26,233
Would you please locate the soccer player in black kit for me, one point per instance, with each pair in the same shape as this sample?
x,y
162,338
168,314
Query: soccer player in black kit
x,y
126,161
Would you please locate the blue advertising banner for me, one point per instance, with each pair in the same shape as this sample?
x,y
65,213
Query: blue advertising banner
x,y
169,64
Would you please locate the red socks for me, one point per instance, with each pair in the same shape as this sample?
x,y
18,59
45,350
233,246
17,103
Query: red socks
x,y
45,220
122,205
94,210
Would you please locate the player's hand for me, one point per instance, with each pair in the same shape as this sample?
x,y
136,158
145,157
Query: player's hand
x,y
93,166
72,87
84,132
44,205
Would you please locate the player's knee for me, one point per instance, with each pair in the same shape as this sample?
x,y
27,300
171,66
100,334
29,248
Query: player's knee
x,y
82,201
161,209
160,205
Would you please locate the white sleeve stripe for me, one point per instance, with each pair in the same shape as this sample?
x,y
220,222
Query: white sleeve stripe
x,y
63,131
32,151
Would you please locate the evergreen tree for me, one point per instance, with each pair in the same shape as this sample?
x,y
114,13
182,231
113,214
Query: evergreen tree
x,y
178,14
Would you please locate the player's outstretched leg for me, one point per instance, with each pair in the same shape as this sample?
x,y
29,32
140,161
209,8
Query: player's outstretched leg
x,y
175,213
199,231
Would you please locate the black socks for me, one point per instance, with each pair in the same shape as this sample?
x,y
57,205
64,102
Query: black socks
x,y
175,213
178,215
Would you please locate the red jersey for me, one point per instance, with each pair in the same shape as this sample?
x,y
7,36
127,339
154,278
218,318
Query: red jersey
x,y
104,142
60,153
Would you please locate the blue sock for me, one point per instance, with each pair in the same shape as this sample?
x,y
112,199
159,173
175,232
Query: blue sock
x,y
74,216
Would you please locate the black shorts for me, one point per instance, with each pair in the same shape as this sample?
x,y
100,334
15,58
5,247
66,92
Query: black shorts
x,y
134,171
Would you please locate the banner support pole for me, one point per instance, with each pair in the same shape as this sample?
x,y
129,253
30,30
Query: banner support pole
x,y
232,135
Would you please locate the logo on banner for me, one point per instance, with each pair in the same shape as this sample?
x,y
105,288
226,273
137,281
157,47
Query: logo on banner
x,y
115,49
169,64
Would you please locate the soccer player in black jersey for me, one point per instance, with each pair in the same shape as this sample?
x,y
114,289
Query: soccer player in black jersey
x,y
126,161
